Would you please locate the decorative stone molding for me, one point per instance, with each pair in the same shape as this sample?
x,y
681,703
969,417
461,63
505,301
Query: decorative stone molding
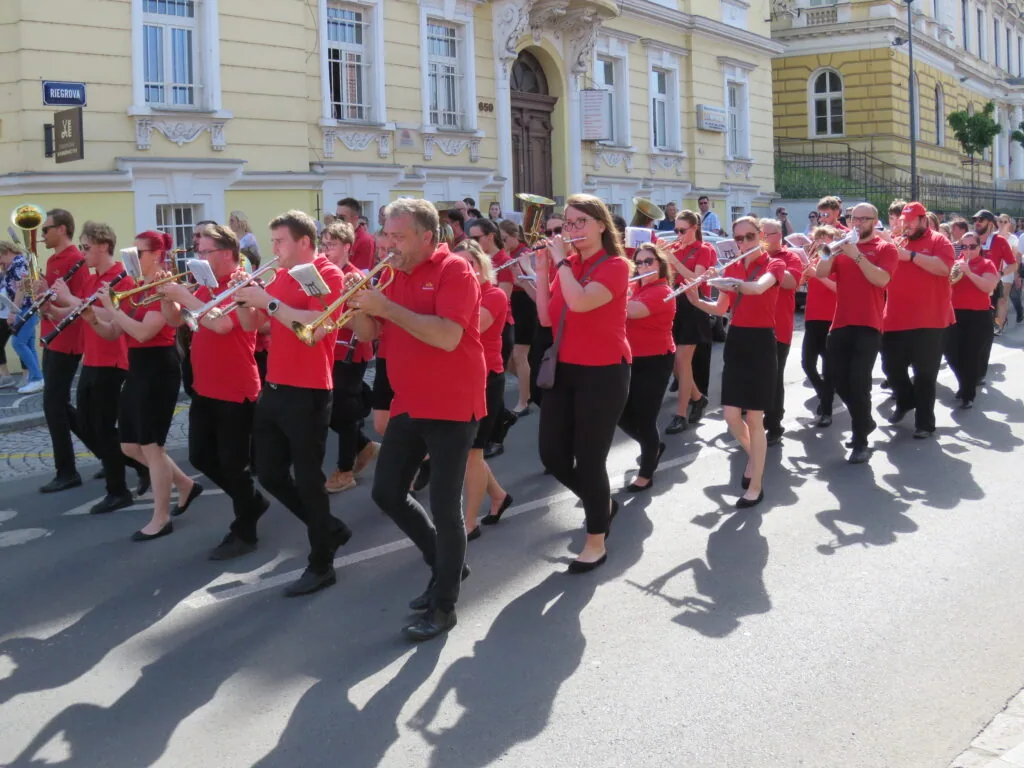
x,y
613,158
451,146
355,141
783,8
666,162
180,132
511,20
739,167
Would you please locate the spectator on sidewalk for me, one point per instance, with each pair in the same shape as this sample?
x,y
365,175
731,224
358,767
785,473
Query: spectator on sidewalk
x,y
15,270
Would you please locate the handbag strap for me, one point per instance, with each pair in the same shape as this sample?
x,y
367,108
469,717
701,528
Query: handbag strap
x,y
565,307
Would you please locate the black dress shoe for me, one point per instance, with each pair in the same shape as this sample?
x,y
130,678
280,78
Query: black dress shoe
x,y
144,483
697,408
231,547
885,384
167,530
112,503
823,420
744,503
430,625
923,434
898,415
494,519
633,488
493,449
474,534
677,425
848,444
422,602
774,436
179,508
310,582
100,475
966,405
578,566
859,456
422,477
62,483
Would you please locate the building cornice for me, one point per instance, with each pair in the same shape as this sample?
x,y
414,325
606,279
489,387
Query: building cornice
x,y
738,39
60,182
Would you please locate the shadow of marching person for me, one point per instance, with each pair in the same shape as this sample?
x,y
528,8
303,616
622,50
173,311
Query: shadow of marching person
x,y
878,526
927,472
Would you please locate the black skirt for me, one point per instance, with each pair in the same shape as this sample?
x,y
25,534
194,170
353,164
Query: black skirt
x,y
150,395
495,409
524,312
750,367
691,325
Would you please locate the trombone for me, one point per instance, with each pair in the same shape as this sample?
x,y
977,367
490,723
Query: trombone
x,y
212,308
306,331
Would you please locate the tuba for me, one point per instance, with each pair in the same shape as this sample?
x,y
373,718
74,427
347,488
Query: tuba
x,y
533,215
645,213
29,219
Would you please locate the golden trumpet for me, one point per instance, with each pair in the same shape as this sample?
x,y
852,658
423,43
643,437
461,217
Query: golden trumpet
x,y
956,274
306,331
118,296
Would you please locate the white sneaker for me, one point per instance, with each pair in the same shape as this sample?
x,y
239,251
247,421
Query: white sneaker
x,y
6,382
31,388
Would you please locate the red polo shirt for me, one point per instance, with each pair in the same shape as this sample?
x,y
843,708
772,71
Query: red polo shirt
x,y
821,301
699,254
363,250
597,337
916,298
223,365
99,352
966,294
748,310
165,337
494,300
346,336
652,335
858,302
785,309
430,383
996,249
290,362
70,341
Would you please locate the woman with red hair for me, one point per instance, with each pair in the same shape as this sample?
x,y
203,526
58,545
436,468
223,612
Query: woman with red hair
x,y
151,387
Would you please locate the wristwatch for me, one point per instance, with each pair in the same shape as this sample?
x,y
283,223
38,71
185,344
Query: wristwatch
x,y
272,306
564,263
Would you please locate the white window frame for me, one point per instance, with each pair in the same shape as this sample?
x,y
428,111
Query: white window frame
x,y
735,72
965,23
812,97
996,34
206,67
616,49
667,61
980,15
940,116
181,233
457,13
373,42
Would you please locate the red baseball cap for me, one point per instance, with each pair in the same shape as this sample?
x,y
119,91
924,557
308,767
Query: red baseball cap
x,y
913,210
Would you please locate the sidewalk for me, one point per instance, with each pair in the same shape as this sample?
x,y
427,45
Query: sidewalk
x,y
1001,743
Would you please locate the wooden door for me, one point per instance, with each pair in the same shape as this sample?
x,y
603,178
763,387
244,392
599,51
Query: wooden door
x,y
532,109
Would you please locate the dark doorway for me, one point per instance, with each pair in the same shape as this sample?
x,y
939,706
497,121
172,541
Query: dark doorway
x,y
532,107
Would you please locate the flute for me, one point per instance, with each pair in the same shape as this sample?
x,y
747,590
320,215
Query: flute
x,y
637,278
706,276
515,262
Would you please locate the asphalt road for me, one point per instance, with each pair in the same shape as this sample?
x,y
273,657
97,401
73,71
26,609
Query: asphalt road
x,y
863,616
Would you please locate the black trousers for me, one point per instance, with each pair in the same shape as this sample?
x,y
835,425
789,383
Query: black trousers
x,y
965,345
814,347
543,339
59,370
647,383
921,350
219,436
577,424
290,434
98,398
702,367
852,351
441,535
986,347
773,417
5,335
348,411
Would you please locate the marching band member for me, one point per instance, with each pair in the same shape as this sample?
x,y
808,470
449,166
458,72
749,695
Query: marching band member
x,y
771,231
544,336
479,478
966,339
829,210
151,388
649,332
996,249
861,273
585,304
364,248
750,359
818,313
294,410
431,317
690,257
227,384
917,313
524,313
485,232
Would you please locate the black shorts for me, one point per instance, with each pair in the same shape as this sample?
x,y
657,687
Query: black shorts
x,y
383,394
524,312
750,365
149,396
507,342
495,409
691,326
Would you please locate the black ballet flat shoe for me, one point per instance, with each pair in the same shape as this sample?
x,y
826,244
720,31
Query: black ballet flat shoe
x,y
676,425
494,519
745,503
474,534
745,483
167,530
179,508
576,566
632,488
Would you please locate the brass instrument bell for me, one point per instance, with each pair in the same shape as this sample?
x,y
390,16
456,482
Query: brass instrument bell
x,y
645,213
533,215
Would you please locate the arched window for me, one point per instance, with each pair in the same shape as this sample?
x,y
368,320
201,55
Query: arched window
x,y
940,117
827,103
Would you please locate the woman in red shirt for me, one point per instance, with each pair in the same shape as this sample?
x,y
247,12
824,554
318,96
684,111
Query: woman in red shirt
x,y
493,308
582,297
967,340
818,314
524,312
151,388
750,360
649,331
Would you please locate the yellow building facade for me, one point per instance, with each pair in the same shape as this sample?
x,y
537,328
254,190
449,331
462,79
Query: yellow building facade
x,y
843,80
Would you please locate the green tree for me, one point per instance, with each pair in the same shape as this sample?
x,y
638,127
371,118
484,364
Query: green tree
x,y
976,132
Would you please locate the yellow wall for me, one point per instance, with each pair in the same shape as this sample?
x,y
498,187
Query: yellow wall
x,y
260,206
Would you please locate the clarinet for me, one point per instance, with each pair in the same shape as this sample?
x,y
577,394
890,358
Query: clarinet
x,y
39,303
77,312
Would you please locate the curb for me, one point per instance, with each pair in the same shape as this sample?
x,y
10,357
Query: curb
x,y
1001,743
38,419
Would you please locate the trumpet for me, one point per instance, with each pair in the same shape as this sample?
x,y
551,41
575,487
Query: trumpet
x,y
703,278
307,331
75,313
212,308
118,296
43,300
956,274
833,249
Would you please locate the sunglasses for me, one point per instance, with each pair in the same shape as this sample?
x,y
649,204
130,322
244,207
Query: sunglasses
x,y
750,237
645,262
44,230
973,247
553,231
682,231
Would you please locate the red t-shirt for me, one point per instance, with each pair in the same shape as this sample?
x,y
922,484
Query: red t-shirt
x,y
996,249
966,294
164,337
919,299
290,362
494,300
597,337
223,365
364,349
821,301
858,302
752,311
364,250
70,341
99,352
785,309
430,383
652,335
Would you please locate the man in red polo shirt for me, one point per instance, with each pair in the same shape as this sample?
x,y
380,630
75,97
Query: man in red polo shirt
x,y
294,409
226,384
364,251
996,249
437,369
917,312
861,272
61,357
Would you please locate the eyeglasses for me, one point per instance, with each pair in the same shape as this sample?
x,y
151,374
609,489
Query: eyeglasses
x,y
766,233
861,219
747,238
553,231
206,253
683,230
44,230
645,262
577,224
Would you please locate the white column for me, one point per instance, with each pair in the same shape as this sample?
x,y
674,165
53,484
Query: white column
x,y
503,104
997,149
1017,170
574,166
579,32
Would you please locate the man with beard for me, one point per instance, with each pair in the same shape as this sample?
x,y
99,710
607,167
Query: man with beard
x,y
996,249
